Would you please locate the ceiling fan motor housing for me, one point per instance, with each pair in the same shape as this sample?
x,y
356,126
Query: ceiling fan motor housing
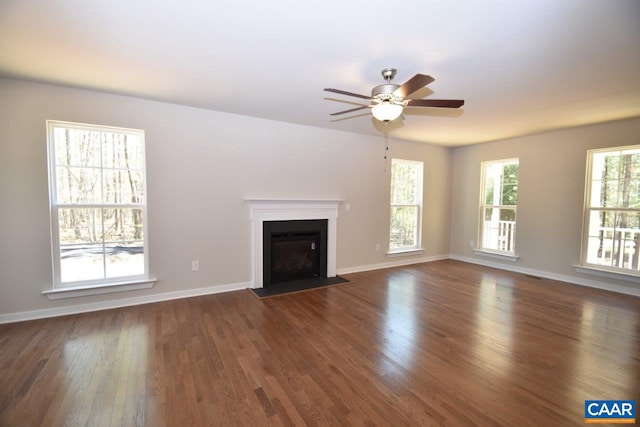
x,y
385,92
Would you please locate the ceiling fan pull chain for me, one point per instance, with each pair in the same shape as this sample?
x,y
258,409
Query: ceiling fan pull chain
x,y
386,145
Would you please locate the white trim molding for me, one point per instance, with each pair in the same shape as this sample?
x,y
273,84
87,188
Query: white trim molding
x,y
398,263
262,210
118,303
82,291
405,252
627,290
619,275
146,299
496,255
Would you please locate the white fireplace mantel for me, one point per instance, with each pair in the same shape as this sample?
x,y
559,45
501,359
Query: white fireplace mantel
x,y
262,210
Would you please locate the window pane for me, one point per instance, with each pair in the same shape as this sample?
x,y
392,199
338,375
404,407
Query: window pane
x,y
490,227
122,225
82,254
602,223
614,239
507,214
489,191
500,184
509,194
121,186
493,173
404,227
80,233
498,229
629,193
78,185
77,147
81,262
610,193
635,165
122,151
126,259
79,226
615,179
510,173
492,184
404,183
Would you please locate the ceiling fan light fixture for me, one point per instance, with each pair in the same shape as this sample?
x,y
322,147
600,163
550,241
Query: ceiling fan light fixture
x,y
386,111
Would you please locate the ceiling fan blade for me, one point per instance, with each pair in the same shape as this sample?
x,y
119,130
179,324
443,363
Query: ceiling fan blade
x,y
342,92
349,111
445,103
413,84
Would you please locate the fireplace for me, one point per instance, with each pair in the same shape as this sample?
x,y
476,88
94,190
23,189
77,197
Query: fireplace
x,y
294,250
278,210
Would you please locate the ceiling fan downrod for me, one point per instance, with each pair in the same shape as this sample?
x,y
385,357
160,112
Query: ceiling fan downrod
x,y
388,74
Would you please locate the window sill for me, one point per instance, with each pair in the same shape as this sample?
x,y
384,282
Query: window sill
x,y
497,255
405,252
82,291
610,274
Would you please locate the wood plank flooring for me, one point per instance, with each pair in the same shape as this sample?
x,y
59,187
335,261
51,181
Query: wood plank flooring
x,y
441,343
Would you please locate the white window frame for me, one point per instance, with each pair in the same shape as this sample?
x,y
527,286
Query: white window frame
x,y
96,286
588,224
508,231
419,176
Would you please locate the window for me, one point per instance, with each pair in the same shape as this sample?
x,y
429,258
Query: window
x,y
611,238
98,207
499,196
406,205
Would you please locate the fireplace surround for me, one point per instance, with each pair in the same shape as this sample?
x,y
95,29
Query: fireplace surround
x,y
266,210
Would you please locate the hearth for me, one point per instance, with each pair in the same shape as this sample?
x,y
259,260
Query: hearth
x,y
294,250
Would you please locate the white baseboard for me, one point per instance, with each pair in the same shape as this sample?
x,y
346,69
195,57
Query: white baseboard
x,y
396,263
105,305
545,274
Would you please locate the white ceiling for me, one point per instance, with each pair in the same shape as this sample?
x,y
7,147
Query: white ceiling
x,y
522,66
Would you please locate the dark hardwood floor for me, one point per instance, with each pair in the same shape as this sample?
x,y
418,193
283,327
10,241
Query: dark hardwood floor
x,y
442,343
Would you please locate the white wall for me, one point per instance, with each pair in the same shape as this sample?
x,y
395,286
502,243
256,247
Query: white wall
x,y
201,166
550,199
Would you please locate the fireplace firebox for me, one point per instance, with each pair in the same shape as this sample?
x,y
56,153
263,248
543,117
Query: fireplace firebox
x,y
294,250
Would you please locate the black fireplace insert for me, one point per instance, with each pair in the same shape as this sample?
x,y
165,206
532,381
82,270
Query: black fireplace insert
x,y
294,250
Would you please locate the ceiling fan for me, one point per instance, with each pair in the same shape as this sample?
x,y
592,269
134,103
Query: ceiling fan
x,y
389,100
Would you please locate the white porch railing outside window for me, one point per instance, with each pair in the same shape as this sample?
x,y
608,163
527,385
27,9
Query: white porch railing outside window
x,y
615,247
499,235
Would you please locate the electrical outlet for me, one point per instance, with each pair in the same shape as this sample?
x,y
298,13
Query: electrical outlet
x,y
378,247
347,207
472,244
195,265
